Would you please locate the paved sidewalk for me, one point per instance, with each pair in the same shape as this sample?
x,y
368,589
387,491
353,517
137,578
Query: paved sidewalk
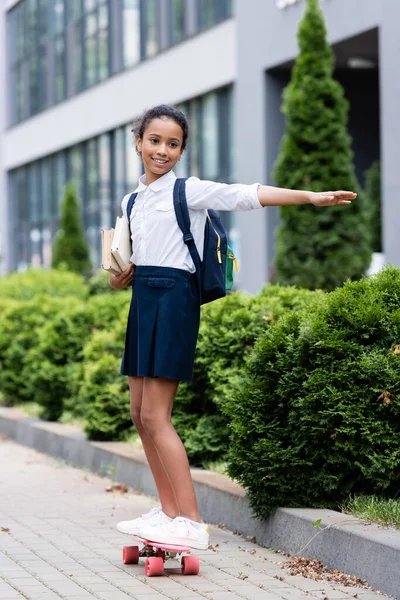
x,y
58,540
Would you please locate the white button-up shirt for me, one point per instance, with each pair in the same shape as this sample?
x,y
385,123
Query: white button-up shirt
x,y
156,236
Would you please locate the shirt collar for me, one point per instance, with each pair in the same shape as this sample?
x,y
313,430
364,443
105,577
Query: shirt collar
x,y
158,184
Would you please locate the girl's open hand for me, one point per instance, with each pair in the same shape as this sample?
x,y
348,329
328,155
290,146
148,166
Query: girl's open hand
x,y
124,279
331,198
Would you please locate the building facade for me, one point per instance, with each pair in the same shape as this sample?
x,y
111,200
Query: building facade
x,y
78,71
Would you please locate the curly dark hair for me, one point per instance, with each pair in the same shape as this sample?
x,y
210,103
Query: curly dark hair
x,y
158,112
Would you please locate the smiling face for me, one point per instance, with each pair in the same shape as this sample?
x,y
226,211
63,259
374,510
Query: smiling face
x,y
160,147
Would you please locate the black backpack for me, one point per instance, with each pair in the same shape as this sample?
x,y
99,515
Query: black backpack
x,y
215,272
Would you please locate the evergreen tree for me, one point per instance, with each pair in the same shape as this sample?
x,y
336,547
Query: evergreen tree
x,y
373,197
70,246
318,247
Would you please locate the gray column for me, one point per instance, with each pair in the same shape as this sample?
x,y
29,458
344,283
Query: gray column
x,y
250,148
389,49
4,229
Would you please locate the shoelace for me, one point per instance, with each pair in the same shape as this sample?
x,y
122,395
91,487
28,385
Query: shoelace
x,y
186,523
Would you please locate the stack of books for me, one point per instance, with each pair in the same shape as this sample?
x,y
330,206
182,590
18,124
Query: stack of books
x,y
116,248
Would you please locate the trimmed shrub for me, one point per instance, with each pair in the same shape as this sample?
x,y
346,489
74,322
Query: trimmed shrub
x,y
227,334
54,360
60,343
373,193
104,394
318,248
35,282
99,283
20,325
70,247
318,415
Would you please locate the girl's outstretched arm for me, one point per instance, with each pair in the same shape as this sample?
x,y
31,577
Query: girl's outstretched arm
x,y
273,196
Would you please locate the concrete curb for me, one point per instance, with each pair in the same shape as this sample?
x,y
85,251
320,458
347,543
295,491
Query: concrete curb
x,y
342,542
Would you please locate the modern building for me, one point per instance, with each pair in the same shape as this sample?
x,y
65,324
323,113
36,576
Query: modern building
x,y
77,72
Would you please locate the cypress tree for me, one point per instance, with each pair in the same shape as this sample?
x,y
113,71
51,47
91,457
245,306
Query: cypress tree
x,y
70,246
373,197
318,247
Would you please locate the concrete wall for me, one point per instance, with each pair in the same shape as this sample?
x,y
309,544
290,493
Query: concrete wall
x,y
3,180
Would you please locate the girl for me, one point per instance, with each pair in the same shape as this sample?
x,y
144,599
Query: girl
x,y
164,314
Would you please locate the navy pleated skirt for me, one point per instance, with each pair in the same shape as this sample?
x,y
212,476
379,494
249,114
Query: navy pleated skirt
x,y
163,324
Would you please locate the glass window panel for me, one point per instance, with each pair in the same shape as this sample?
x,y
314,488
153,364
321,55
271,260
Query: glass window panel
x,y
91,49
177,21
59,68
194,154
131,32
20,29
104,180
92,202
133,161
210,137
76,169
92,172
11,104
103,16
11,29
35,215
48,226
58,15
151,32
42,78
32,24
89,5
103,54
182,168
206,13
91,45
22,216
76,51
119,162
91,24
74,9
43,19
20,92
60,179
33,83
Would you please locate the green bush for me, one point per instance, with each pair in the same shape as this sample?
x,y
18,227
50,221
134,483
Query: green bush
x,y
54,361
34,282
99,283
318,414
318,248
20,325
59,346
373,194
227,333
70,247
103,396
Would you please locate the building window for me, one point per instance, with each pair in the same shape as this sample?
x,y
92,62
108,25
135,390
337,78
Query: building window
x,y
177,21
150,27
131,32
105,168
211,12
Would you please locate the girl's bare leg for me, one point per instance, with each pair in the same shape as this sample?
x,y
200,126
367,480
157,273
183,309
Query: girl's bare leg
x,y
165,491
157,400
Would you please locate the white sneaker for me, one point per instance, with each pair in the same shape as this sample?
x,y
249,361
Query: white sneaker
x,y
179,531
156,515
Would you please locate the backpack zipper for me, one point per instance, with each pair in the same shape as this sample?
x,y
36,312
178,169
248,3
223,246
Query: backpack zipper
x,y
219,241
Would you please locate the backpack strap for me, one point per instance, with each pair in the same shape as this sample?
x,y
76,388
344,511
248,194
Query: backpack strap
x,y
129,207
183,219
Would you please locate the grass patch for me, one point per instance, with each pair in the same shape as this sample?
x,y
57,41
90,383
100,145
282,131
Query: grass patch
x,y
375,509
